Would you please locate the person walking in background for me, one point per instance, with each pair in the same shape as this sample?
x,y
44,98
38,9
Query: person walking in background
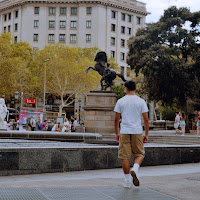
x,y
28,124
198,124
130,137
182,123
33,123
177,122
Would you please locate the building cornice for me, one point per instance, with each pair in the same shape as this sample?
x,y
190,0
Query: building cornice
x,y
130,5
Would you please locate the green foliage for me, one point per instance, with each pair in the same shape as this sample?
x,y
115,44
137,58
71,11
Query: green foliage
x,y
119,90
168,112
168,55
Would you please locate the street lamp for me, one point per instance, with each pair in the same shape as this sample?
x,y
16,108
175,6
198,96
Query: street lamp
x,y
16,98
45,82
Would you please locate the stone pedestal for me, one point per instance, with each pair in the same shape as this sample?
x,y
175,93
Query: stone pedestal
x,y
99,114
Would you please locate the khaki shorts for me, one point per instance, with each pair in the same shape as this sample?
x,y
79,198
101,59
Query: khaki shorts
x,y
131,143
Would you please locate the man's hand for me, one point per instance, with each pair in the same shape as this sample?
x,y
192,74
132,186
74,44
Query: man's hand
x,y
117,137
117,117
145,140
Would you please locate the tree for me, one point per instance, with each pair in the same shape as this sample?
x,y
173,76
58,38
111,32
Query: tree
x,y
14,61
66,71
167,54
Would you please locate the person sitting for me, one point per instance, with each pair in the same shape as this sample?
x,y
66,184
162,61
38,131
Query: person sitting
x,y
44,126
56,127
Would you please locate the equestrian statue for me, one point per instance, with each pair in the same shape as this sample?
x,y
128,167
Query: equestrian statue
x,y
103,68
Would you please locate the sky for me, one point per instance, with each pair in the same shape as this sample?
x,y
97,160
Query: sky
x,y
157,7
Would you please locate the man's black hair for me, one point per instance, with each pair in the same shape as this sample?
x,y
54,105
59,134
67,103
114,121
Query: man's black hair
x,y
130,85
177,112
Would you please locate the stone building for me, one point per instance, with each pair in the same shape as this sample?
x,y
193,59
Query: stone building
x,y
106,24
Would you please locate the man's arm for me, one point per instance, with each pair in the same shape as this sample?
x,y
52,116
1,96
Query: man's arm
x,y
146,126
117,117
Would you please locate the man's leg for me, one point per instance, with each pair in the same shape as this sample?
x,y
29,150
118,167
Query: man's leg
x,y
125,154
126,166
138,153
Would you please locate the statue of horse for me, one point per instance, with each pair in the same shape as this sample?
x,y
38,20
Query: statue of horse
x,y
103,68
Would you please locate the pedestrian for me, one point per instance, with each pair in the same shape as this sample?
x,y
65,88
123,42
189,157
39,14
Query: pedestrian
x,y
66,125
182,123
129,136
33,124
198,124
177,122
75,124
56,127
44,126
28,124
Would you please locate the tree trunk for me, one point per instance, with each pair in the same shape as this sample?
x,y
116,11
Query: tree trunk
x,y
187,128
60,110
60,106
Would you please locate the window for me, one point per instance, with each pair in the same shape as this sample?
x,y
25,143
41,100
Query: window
x,y
62,37
112,41
8,28
5,18
9,16
128,71
113,54
37,10
129,31
129,18
113,14
122,56
73,11
122,70
51,37
89,10
62,24
122,29
138,20
122,43
73,24
4,29
51,24
15,38
88,37
113,27
35,37
52,11
123,16
16,27
36,23
88,24
72,38
16,14
63,11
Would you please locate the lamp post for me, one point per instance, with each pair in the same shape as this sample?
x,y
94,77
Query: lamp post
x,y
45,82
22,98
79,101
16,98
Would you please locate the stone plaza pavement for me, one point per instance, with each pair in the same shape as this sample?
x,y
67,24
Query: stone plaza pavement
x,y
165,182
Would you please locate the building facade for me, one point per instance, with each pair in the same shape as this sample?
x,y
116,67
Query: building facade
x,y
106,24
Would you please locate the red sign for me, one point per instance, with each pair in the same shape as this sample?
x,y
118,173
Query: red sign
x,y
31,101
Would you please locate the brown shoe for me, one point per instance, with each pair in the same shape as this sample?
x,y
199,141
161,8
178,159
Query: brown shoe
x,y
136,181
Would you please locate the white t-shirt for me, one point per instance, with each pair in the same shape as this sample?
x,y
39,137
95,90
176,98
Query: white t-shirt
x,y
177,119
131,107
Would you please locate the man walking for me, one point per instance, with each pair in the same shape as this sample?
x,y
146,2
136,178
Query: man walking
x,y
130,137
33,123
